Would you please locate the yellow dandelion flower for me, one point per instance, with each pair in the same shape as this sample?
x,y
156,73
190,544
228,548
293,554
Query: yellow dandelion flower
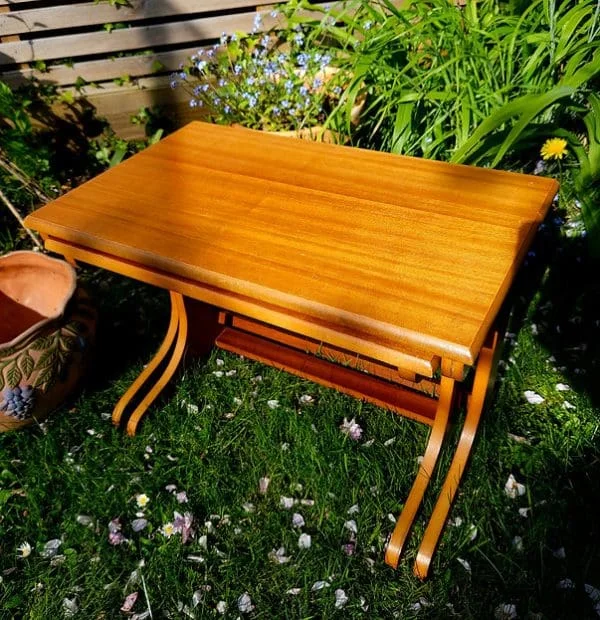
x,y
554,148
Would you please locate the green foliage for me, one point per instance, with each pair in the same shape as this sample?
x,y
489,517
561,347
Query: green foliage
x,y
43,153
486,84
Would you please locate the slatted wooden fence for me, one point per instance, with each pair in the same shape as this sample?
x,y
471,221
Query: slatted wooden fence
x,y
123,54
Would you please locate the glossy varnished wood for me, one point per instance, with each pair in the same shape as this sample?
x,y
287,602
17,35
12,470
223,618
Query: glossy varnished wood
x,y
317,229
303,254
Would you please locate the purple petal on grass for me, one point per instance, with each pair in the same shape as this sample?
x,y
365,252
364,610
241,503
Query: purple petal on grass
x,y
297,520
137,525
182,524
349,548
181,497
129,602
351,428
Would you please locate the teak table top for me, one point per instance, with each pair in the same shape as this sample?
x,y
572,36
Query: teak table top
x,y
412,255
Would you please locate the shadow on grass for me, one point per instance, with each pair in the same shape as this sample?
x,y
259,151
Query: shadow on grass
x,y
132,322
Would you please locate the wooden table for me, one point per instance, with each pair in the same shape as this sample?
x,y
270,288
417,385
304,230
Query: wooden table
x,y
301,254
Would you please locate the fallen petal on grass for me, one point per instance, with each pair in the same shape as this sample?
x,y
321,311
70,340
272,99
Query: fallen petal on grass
x,y
319,585
304,541
244,603
464,564
263,485
533,398
351,428
137,525
512,488
341,598
129,602
278,556
505,611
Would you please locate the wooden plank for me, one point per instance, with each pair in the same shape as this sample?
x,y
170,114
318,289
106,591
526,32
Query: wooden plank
x,y
89,13
105,69
141,37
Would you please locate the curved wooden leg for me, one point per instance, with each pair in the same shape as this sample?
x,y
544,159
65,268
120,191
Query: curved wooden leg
x,y
174,333
481,384
407,516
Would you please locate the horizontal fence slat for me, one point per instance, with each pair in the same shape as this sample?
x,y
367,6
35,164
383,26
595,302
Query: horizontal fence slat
x,y
141,37
106,69
13,2
89,13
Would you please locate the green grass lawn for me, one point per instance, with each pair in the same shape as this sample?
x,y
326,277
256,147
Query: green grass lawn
x,y
309,544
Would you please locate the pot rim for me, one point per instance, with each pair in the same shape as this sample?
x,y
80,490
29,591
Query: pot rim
x,y
71,275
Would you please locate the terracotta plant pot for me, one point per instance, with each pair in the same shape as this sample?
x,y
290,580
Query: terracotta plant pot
x,y
47,327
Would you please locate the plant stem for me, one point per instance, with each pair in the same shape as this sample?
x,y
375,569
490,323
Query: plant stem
x,y
17,215
18,174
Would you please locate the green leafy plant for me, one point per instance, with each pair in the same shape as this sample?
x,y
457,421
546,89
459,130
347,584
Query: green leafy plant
x,y
482,84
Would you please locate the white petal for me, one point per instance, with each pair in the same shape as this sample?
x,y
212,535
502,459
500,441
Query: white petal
x,y
524,512
287,502
533,398
263,485
221,607
517,543
505,611
464,564
218,373
244,603
353,509
273,404
351,526
304,541
319,585
341,598
85,520
562,387
512,488
568,405
277,556
472,532
294,591
70,607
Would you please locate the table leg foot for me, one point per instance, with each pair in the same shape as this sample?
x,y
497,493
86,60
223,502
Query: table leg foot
x,y
481,385
407,516
173,344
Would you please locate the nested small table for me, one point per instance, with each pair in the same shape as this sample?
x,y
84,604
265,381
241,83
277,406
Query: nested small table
x,y
376,274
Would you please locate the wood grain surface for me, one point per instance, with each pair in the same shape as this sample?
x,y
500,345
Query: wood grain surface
x,y
399,252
